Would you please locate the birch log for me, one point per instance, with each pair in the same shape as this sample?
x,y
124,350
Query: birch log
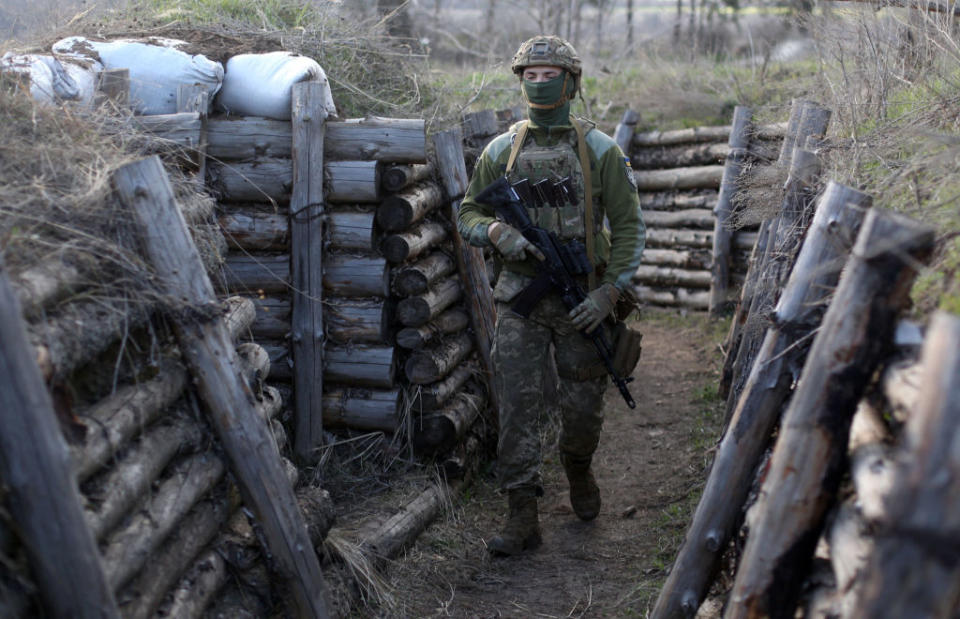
x,y
409,245
356,276
433,396
692,135
672,200
400,210
432,364
805,469
361,366
256,275
450,321
722,233
909,574
143,186
362,409
357,320
623,135
666,276
404,526
265,180
348,230
687,218
419,276
252,230
838,216
440,431
665,157
698,177
420,309
43,498
352,181
680,297
393,140
399,176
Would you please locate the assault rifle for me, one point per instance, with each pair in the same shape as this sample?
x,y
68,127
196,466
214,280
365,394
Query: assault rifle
x,y
558,272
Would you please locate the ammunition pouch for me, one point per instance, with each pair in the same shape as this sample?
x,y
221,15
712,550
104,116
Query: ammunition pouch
x,y
626,348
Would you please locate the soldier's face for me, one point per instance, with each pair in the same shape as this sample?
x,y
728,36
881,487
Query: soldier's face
x,y
541,73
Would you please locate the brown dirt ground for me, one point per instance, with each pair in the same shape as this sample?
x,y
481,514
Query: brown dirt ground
x,y
651,466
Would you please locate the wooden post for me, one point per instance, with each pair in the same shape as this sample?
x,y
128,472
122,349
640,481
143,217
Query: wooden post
x,y
209,352
470,263
196,98
911,570
306,249
839,214
35,465
807,463
722,233
623,135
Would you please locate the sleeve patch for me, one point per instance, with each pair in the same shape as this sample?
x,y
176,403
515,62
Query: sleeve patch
x,y
628,170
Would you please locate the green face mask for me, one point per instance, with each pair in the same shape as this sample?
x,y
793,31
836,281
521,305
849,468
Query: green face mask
x,y
545,93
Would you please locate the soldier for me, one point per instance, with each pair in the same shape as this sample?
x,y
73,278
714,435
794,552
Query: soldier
x,y
591,172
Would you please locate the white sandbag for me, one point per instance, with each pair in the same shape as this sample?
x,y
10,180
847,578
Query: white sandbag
x,y
261,84
157,68
52,81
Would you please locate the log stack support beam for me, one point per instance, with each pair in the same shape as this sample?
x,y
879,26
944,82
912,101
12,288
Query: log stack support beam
x,y
306,250
806,466
43,498
839,213
208,351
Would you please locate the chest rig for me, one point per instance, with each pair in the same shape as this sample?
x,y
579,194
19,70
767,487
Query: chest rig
x,y
555,185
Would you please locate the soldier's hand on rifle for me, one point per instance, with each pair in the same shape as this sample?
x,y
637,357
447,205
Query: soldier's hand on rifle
x,y
598,305
510,243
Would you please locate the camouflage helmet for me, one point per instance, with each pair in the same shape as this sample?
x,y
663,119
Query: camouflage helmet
x,y
546,50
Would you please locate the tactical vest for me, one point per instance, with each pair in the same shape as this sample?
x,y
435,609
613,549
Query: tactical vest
x,y
566,167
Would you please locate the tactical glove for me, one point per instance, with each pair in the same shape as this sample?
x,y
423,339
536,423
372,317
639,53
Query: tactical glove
x,y
598,305
510,243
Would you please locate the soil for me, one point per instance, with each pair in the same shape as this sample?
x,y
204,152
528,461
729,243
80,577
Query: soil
x,y
651,467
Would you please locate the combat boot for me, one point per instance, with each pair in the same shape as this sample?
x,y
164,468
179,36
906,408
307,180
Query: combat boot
x,y
584,492
522,531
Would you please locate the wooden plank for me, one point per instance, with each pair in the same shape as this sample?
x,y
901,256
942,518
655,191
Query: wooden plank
x,y
805,469
307,260
206,346
43,498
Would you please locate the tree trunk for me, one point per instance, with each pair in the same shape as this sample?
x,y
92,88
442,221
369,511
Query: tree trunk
x,y
399,211
440,431
722,233
352,181
908,575
806,466
689,218
43,498
408,245
683,155
700,177
420,276
357,320
356,276
400,176
431,397
451,321
361,366
388,140
665,276
432,364
144,188
419,310
404,526
362,409
748,432
347,230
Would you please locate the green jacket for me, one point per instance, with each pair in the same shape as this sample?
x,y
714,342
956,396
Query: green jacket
x,y
614,190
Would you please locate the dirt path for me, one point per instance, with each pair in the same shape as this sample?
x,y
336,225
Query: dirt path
x,y
650,466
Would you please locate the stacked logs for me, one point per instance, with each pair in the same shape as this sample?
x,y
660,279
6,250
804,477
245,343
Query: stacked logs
x,y
364,159
812,363
678,175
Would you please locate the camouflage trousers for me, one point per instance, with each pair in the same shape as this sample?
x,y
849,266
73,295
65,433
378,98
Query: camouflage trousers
x,y
520,359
